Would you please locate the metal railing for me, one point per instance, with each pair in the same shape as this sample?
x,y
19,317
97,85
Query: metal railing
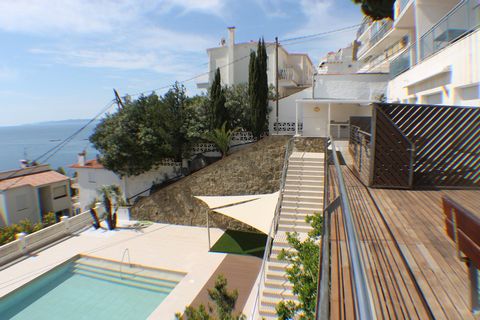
x,y
364,308
273,229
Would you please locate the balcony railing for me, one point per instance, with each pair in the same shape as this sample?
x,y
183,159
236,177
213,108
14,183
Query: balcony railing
x,y
377,32
402,62
288,74
461,20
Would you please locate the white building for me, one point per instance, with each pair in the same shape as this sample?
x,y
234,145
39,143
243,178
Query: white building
x,y
295,71
432,50
91,176
32,192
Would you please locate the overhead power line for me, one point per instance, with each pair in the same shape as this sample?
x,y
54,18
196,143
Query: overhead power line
x,y
305,38
54,150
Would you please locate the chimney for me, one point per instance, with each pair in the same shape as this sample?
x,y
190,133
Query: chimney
x,y
23,164
231,36
81,158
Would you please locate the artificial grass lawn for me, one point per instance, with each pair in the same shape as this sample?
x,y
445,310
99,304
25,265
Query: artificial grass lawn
x,y
240,242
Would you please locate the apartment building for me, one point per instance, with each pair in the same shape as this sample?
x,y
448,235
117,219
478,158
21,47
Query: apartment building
x,y
295,70
431,49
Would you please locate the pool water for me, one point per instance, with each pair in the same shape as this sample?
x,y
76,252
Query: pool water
x,y
90,289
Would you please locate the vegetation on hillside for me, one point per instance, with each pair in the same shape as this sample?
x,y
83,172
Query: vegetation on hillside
x,y
377,9
143,132
224,301
7,234
302,272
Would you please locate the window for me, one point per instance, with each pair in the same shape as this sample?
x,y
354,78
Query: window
x,y
21,202
59,192
468,96
435,98
91,177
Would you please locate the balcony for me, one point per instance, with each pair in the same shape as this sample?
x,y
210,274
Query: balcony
x,y
289,77
462,20
459,22
377,31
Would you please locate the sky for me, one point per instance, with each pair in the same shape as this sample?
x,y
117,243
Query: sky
x,y
60,59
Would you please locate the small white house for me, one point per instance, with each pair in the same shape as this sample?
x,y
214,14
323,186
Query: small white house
x,y
91,176
32,192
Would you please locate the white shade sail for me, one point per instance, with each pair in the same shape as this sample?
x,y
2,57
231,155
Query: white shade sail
x,y
256,210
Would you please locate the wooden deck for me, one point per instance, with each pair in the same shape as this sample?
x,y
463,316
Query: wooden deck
x,y
412,268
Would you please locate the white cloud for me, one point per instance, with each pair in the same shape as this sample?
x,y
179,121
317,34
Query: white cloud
x,y
323,16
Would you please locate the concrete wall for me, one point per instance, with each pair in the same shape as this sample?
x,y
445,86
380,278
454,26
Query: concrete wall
x,y
452,72
286,108
350,86
130,186
315,120
22,203
3,211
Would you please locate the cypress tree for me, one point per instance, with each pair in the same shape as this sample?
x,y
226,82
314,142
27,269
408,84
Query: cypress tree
x,y
252,88
218,112
258,89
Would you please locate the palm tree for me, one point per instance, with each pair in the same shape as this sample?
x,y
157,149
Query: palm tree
x,y
112,200
222,138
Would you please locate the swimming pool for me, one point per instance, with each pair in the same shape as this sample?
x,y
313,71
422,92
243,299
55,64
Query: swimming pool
x,y
91,288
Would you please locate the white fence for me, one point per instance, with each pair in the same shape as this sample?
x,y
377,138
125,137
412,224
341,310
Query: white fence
x,y
28,243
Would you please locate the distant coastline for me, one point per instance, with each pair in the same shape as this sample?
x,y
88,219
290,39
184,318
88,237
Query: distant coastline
x,y
51,122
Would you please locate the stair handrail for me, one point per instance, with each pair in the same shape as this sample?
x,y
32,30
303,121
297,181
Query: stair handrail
x,y
364,308
273,228
126,252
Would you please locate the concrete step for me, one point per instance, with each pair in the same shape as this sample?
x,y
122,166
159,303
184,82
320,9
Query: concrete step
x,y
268,312
299,210
278,283
302,205
308,165
293,222
285,294
272,265
297,228
304,193
305,172
303,198
276,275
293,215
292,181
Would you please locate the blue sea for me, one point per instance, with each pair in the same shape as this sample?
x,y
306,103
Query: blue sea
x,y
32,140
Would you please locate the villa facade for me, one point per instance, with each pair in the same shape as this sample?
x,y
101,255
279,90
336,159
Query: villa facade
x,y
431,51
295,70
32,192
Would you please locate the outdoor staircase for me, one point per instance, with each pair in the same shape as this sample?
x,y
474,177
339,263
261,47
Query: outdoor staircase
x,y
302,196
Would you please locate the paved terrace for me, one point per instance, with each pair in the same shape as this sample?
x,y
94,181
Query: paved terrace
x,y
411,265
172,247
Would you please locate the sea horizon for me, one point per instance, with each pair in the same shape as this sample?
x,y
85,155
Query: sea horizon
x,y
31,140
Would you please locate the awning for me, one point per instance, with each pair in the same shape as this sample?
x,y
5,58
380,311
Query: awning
x,y
255,210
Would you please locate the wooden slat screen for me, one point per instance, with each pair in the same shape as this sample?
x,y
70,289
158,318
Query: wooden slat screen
x,y
393,154
446,139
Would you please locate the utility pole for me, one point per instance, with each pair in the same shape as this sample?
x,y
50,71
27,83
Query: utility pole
x,y
276,82
118,100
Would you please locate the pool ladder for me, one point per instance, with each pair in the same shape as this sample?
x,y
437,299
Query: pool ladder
x,y
126,253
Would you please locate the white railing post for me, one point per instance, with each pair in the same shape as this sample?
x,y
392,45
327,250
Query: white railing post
x,y
22,244
66,223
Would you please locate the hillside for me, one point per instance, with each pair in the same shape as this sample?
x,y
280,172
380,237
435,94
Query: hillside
x,y
256,169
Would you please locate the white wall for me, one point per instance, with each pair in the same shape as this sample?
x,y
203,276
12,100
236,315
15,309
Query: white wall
x,y
29,204
315,120
64,203
448,72
130,186
3,211
355,86
286,108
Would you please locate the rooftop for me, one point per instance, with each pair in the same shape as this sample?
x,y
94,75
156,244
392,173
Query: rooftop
x,y
34,180
89,164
